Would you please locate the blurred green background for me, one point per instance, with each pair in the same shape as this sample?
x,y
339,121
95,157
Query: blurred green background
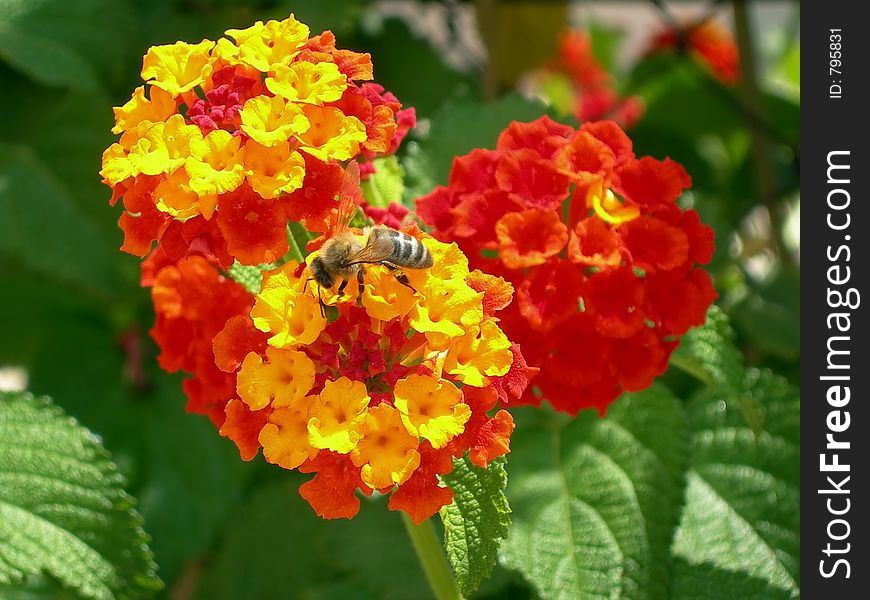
x,y
74,321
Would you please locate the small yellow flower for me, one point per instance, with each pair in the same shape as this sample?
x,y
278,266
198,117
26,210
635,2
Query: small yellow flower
x,y
483,351
385,298
293,318
216,163
273,171
272,121
431,409
174,196
447,308
117,166
163,147
159,107
311,83
338,416
286,377
387,453
332,135
179,67
276,42
285,437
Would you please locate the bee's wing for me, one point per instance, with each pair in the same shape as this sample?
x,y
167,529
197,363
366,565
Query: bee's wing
x,y
374,251
349,197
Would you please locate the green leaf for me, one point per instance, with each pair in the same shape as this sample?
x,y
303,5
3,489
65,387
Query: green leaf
x,y
476,521
708,352
605,44
387,184
63,508
249,276
742,509
276,542
767,315
43,229
62,43
456,129
299,238
190,480
595,500
706,581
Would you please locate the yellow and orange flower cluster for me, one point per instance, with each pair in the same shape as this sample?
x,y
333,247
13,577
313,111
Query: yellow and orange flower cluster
x,y
225,144
227,140
384,395
380,396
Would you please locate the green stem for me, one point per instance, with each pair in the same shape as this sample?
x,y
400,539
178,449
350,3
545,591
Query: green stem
x,y
765,170
432,558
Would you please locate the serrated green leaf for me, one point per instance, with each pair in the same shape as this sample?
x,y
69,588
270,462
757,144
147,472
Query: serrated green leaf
x,y
249,276
708,352
387,184
742,502
692,582
476,521
595,500
63,508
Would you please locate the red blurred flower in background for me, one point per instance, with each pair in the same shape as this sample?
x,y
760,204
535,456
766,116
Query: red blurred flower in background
x,y
708,41
593,96
603,259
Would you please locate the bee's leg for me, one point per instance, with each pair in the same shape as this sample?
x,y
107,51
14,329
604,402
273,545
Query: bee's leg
x,y
341,287
399,275
305,287
361,282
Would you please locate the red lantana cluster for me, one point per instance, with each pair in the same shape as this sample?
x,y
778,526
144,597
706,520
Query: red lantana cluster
x,y
594,96
603,259
709,42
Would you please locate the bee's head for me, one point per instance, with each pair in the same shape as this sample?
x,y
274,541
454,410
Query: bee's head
x,y
320,274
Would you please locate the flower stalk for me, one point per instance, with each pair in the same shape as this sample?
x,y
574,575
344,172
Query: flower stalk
x,y
432,558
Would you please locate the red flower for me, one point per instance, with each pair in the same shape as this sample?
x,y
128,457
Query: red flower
x,y
594,96
193,302
710,42
604,285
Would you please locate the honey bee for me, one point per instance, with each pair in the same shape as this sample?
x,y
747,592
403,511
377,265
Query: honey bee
x,y
342,256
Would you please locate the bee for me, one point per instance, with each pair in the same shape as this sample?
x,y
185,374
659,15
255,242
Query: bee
x,y
342,256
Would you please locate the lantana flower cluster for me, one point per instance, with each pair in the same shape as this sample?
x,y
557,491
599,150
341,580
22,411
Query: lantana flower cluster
x,y
381,395
592,94
377,389
709,42
227,140
603,259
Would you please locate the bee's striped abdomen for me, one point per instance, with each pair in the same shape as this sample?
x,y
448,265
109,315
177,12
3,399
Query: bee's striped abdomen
x,y
408,251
